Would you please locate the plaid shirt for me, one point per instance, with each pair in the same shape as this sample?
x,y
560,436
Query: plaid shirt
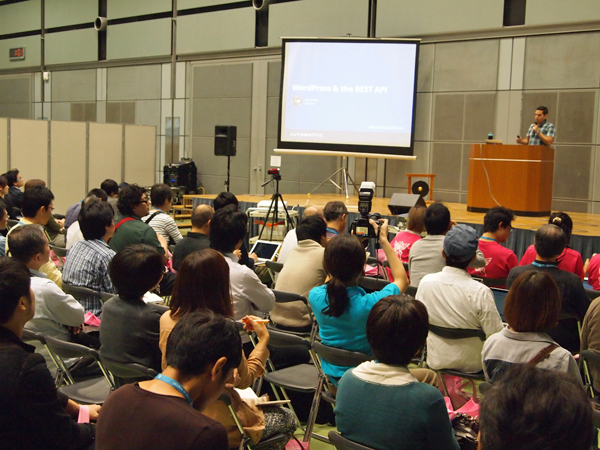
x,y
87,265
547,129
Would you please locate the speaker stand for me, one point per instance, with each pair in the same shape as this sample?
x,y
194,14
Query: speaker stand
x,y
345,178
228,172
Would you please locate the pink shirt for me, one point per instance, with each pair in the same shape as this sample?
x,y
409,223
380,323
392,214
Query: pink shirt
x,y
593,269
498,260
569,260
403,242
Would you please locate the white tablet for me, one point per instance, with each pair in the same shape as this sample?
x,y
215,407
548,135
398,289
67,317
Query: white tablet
x,y
265,250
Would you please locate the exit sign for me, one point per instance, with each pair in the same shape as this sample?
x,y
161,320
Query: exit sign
x,y
15,54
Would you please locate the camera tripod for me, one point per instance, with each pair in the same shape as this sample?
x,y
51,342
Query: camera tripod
x,y
273,210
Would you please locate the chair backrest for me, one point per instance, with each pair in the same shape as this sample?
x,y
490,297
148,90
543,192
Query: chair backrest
x,y
68,350
283,339
372,284
286,297
124,373
591,357
494,282
80,292
499,299
456,333
29,335
274,266
411,290
341,443
12,223
61,252
592,294
340,357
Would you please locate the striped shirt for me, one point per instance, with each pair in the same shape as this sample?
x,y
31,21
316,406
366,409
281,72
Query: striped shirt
x,y
87,266
164,225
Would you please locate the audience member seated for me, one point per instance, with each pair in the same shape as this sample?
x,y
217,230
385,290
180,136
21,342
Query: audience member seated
x,y
112,191
302,272
569,260
532,409
196,239
455,300
74,233
592,270
166,412
55,229
250,295
6,198
130,327
336,216
499,260
425,255
340,306
290,241
3,227
590,338
34,414
380,403
550,242
221,201
158,218
73,211
56,314
88,260
37,209
531,309
415,226
129,228
203,283
15,181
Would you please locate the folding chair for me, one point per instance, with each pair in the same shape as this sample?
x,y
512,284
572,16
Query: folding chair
x,y
592,294
335,356
273,268
124,373
341,443
457,333
91,391
301,377
411,290
370,284
60,253
494,282
12,223
246,441
28,336
81,292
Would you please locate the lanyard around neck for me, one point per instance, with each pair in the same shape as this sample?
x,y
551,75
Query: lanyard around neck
x,y
539,264
177,386
488,238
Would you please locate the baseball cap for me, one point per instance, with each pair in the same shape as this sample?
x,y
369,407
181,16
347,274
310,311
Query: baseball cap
x,y
461,242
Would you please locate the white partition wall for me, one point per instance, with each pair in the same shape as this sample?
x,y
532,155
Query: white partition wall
x,y
68,163
105,153
29,148
3,145
140,154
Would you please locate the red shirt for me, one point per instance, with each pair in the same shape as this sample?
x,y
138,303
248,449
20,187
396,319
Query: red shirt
x,y
402,243
593,269
498,260
569,260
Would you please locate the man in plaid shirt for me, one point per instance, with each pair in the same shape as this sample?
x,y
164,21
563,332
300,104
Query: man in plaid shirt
x,y
541,132
87,261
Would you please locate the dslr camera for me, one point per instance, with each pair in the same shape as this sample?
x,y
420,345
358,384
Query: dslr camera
x,y
361,227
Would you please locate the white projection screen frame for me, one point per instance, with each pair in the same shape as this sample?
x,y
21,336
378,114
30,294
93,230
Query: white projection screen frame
x,y
348,97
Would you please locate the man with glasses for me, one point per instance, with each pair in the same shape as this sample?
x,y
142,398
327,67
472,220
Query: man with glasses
x,y
133,204
37,207
499,260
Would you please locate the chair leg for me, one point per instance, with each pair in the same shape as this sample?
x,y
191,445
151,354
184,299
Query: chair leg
x,y
588,378
314,409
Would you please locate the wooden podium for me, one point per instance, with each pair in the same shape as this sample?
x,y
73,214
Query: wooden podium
x,y
520,178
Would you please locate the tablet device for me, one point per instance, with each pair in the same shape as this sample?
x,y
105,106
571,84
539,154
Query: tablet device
x,y
265,250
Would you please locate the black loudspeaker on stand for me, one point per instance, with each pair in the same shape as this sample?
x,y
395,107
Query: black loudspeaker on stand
x,y
401,203
225,145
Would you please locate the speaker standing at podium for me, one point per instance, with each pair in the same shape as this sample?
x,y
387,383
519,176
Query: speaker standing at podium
x,y
541,132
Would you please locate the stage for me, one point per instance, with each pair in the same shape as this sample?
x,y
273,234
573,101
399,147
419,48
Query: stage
x,y
585,239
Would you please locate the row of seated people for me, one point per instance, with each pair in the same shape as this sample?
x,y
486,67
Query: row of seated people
x,y
545,409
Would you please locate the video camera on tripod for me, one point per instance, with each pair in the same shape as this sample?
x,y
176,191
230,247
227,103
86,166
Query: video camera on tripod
x,y
361,227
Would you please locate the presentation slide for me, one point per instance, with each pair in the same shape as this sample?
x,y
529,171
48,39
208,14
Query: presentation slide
x,y
348,92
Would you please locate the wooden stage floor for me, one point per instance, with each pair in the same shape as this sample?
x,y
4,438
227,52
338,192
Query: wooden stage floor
x,y
583,224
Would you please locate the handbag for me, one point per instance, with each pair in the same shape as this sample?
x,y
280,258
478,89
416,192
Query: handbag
x,y
295,444
466,431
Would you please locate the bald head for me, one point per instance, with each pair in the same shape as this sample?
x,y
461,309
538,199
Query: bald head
x,y
201,217
550,241
313,211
